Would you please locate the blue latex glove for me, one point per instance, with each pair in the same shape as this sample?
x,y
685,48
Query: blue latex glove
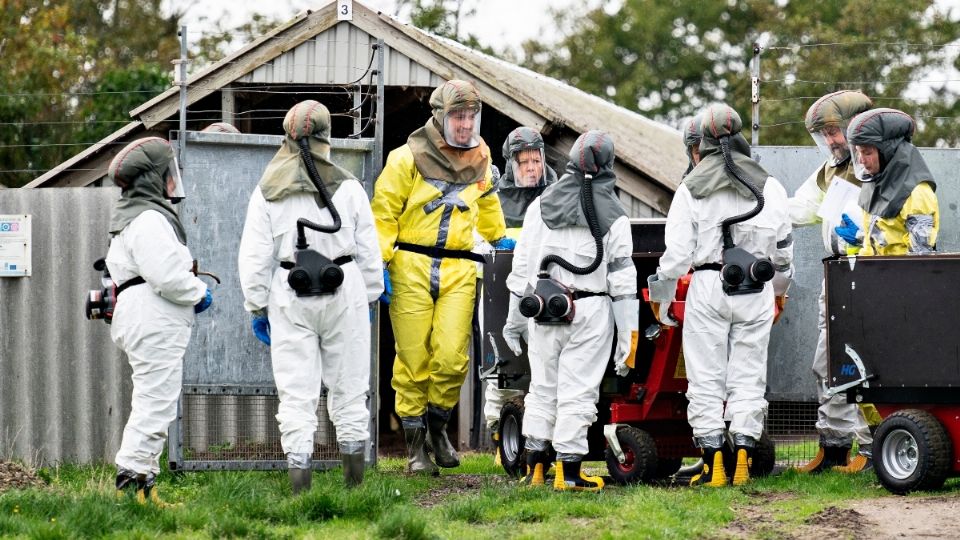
x,y
387,288
204,302
848,231
505,244
261,328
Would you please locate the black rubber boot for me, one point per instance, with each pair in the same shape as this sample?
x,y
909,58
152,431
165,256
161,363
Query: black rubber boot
x,y
571,478
418,462
126,482
443,451
827,457
713,474
537,466
352,469
147,491
300,480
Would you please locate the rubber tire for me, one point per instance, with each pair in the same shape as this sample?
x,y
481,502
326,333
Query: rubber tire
x,y
512,454
764,457
641,457
933,446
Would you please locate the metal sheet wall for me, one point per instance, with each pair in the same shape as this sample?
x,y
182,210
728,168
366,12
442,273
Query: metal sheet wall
x,y
64,387
795,337
339,55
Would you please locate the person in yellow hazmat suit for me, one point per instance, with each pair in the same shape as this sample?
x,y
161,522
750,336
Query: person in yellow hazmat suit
x,y
901,214
433,192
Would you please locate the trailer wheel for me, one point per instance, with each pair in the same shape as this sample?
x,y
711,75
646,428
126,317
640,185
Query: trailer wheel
x,y
912,451
512,455
640,453
764,457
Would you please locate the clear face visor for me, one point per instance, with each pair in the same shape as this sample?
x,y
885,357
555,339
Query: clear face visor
x,y
461,128
174,182
529,168
832,144
865,158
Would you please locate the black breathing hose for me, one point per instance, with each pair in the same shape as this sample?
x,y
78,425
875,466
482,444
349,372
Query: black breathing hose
x,y
314,175
586,201
735,171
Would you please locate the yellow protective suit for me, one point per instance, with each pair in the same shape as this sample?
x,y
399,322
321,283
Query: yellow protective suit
x,y
914,230
432,304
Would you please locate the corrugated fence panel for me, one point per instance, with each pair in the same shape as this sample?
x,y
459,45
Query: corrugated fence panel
x,y
339,55
794,338
64,386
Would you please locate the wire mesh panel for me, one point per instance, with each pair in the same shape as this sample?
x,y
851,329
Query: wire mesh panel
x,y
792,427
235,428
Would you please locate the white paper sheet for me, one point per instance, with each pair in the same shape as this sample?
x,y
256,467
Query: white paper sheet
x,y
840,194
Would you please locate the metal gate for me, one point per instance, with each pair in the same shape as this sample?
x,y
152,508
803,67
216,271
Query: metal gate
x,y
227,410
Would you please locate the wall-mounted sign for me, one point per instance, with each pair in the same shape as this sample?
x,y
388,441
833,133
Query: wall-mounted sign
x,y
15,245
344,10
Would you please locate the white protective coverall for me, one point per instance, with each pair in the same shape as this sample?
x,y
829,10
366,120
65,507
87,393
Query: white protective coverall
x,y
319,337
838,422
567,361
725,337
152,324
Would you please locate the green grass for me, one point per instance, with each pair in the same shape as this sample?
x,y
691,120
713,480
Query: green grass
x,y
80,502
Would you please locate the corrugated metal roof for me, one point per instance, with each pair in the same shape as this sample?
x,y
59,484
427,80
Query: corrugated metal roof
x,y
314,48
336,56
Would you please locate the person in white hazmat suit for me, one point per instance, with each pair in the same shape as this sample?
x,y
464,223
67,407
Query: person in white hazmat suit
x,y
317,330
716,223
574,271
157,296
838,422
526,175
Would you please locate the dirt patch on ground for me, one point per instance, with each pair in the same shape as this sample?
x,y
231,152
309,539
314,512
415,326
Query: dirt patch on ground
x,y
881,518
455,484
911,517
757,518
16,476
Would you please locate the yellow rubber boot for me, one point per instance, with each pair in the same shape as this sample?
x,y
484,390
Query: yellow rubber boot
x,y
741,473
826,458
714,474
859,463
570,477
536,468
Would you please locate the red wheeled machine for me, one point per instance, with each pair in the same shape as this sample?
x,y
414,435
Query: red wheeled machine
x,y
893,342
641,429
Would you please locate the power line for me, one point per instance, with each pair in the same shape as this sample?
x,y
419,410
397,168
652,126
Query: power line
x,y
860,44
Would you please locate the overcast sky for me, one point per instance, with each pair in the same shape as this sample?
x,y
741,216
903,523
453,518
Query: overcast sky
x,y
497,23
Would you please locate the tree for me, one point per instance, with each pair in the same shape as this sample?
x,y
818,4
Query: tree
x,y
73,70
667,60
441,17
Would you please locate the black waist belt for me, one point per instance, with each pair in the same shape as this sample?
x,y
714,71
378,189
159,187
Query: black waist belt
x,y
441,253
130,283
577,295
339,261
708,266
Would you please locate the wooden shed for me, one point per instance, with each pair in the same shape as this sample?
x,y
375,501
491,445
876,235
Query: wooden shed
x,y
317,56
